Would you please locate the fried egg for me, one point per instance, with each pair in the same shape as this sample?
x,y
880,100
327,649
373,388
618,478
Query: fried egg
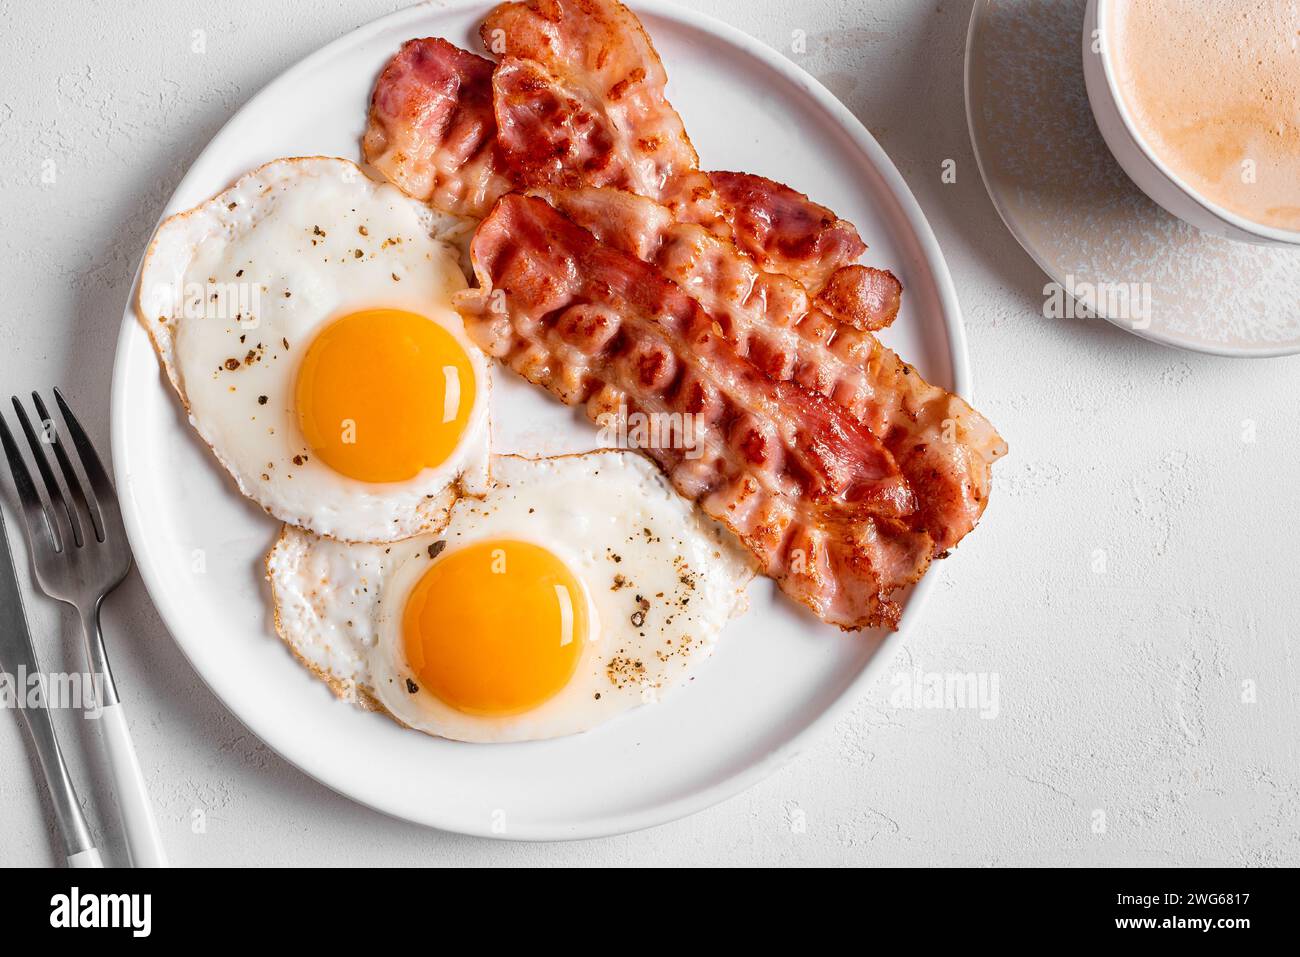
x,y
577,588
303,317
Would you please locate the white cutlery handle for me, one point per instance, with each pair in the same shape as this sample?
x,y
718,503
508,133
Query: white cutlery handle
x,y
87,858
142,837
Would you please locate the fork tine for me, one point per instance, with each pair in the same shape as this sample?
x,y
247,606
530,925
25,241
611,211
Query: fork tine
x,y
78,492
101,486
64,517
30,499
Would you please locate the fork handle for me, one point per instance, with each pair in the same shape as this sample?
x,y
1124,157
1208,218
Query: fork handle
x,y
142,837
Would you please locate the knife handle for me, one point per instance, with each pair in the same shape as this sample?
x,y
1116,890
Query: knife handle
x,y
67,809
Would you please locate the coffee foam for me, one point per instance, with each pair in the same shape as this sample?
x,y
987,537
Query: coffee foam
x,y
1213,86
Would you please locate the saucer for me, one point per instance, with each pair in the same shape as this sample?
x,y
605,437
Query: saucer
x,y
1108,249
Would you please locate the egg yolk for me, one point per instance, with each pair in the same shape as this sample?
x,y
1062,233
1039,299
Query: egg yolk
x,y
495,628
383,394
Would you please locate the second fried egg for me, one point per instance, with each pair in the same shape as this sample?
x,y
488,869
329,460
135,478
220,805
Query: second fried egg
x,y
577,588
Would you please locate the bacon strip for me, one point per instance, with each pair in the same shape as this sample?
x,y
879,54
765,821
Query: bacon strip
x,y
432,131
842,469
814,495
580,100
862,296
784,231
943,445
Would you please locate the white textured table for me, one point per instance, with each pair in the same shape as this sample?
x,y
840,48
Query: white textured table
x,y
1132,588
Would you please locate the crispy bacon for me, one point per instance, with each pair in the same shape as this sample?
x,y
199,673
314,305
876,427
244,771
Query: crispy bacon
x,y
786,232
578,100
862,296
626,281
944,447
547,136
579,95
813,493
432,131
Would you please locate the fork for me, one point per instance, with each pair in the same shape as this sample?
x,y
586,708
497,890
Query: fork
x,y
80,554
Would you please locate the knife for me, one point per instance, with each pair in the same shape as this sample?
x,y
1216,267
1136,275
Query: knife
x,y
18,657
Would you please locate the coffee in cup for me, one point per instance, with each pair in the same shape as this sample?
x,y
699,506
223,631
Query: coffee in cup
x,y
1213,89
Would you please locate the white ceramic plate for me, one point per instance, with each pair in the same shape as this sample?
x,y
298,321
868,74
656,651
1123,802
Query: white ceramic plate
x,y
1074,210
777,674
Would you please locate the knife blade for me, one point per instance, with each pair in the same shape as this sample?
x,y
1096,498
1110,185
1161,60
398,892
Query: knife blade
x,y
18,657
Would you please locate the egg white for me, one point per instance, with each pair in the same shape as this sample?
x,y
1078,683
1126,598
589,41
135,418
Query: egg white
x,y
234,291
661,581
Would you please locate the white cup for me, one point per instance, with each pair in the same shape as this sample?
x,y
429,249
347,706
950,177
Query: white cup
x,y
1152,175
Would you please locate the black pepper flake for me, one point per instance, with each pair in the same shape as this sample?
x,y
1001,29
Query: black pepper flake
x,y
232,364
436,549
638,618
299,459
261,400
411,686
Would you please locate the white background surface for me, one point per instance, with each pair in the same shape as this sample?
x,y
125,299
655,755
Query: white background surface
x,y
1120,691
